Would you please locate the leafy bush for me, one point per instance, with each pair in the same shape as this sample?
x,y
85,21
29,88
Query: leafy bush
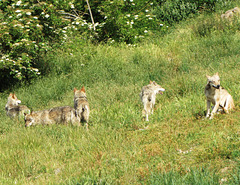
x,y
125,21
29,29
172,11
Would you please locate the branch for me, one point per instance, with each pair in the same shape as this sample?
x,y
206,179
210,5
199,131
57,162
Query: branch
x,y
91,15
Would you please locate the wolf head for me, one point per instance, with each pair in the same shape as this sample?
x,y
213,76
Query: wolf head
x,y
79,93
29,119
157,88
13,100
214,81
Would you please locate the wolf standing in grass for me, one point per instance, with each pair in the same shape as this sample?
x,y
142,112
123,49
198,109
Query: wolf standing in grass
x,y
13,108
218,96
81,105
148,96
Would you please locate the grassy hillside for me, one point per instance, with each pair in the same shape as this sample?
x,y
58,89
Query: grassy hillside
x,y
179,146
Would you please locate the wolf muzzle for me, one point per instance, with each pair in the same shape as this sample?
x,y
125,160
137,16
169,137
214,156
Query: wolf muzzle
x,y
216,86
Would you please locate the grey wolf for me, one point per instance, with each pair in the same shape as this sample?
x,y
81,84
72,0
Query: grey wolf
x,y
57,115
81,105
148,97
218,96
230,13
13,108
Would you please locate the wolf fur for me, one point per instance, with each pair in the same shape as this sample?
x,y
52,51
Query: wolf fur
x,y
218,96
81,105
57,115
230,13
148,97
13,109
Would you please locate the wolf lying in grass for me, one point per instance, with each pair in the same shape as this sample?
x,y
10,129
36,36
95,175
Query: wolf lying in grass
x,y
13,108
218,96
57,115
81,105
230,13
148,96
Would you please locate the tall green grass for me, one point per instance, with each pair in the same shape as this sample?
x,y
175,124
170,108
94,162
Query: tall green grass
x,y
179,147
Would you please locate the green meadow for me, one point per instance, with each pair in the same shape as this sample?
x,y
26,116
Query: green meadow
x,y
178,147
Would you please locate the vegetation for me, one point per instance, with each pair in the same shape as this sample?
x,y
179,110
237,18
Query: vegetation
x,y
179,146
30,29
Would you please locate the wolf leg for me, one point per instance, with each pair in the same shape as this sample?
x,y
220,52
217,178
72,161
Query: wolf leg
x,y
214,109
208,109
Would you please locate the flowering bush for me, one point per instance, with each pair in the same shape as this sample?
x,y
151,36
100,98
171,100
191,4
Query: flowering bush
x,y
125,20
29,29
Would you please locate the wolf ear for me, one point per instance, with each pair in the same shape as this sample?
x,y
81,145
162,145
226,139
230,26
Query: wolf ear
x,y
83,89
10,94
207,76
151,82
217,74
74,90
13,96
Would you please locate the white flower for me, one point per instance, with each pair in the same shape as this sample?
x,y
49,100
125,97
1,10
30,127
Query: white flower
x,y
127,22
132,22
148,15
105,17
63,31
72,6
47,15
19,15
35,18
133,4
128,15
146,10
18,11
28,13
131,0
150,18
161,24
77,23
145,31
18,3
151,3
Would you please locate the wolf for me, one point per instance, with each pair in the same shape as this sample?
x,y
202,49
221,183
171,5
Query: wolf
x,y
81,105
218,96
13,109
148,96
56,115
230,13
